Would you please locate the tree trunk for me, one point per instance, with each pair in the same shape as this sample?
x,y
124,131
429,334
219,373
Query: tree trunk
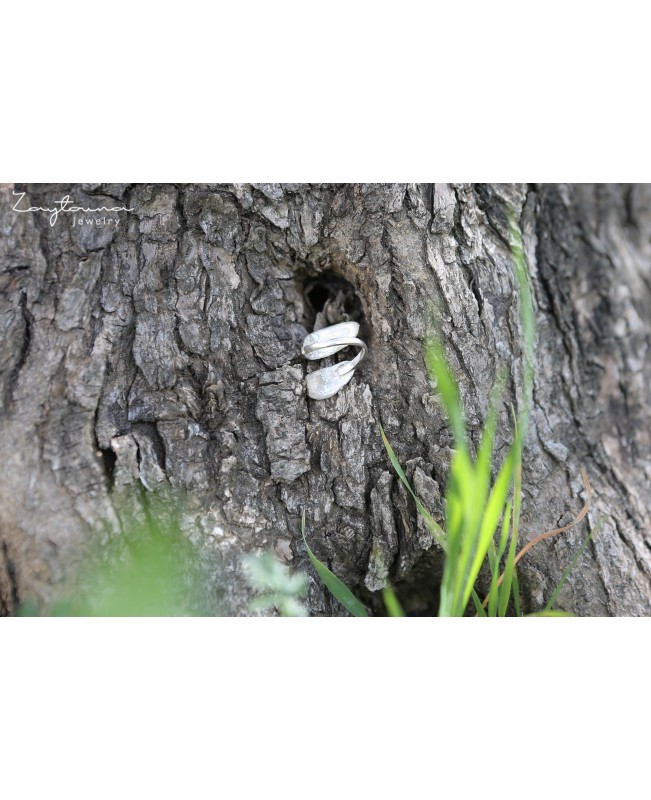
x,y
165,350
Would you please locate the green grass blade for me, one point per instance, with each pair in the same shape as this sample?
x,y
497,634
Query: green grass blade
x,y
338,588
463,515
495,590
447,388
485,452
391,603
435,529
507,582
479,608
509,569
492,556
571,565
489,522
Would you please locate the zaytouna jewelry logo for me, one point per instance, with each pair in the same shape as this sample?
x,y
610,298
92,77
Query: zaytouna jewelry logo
x,y
66,205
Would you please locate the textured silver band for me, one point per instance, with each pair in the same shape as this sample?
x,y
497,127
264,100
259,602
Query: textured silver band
x,y
327,381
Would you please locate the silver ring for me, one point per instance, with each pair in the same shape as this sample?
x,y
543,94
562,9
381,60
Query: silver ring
x,y
328,381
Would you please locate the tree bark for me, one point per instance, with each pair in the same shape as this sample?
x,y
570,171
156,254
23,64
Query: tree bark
x,y
165,351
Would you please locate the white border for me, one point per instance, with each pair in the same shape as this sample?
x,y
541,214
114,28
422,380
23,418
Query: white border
x,y
322,708
351,90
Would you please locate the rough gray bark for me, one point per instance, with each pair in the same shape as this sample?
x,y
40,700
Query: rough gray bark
x,y
167,351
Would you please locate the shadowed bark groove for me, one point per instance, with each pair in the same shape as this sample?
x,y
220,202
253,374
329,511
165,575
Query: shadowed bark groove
x,y
165,351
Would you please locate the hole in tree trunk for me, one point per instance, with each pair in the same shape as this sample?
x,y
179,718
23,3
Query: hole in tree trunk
x,y
109,460
331,299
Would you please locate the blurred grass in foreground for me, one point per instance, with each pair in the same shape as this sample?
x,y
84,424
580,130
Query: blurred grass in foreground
x,y
278,588
150,569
